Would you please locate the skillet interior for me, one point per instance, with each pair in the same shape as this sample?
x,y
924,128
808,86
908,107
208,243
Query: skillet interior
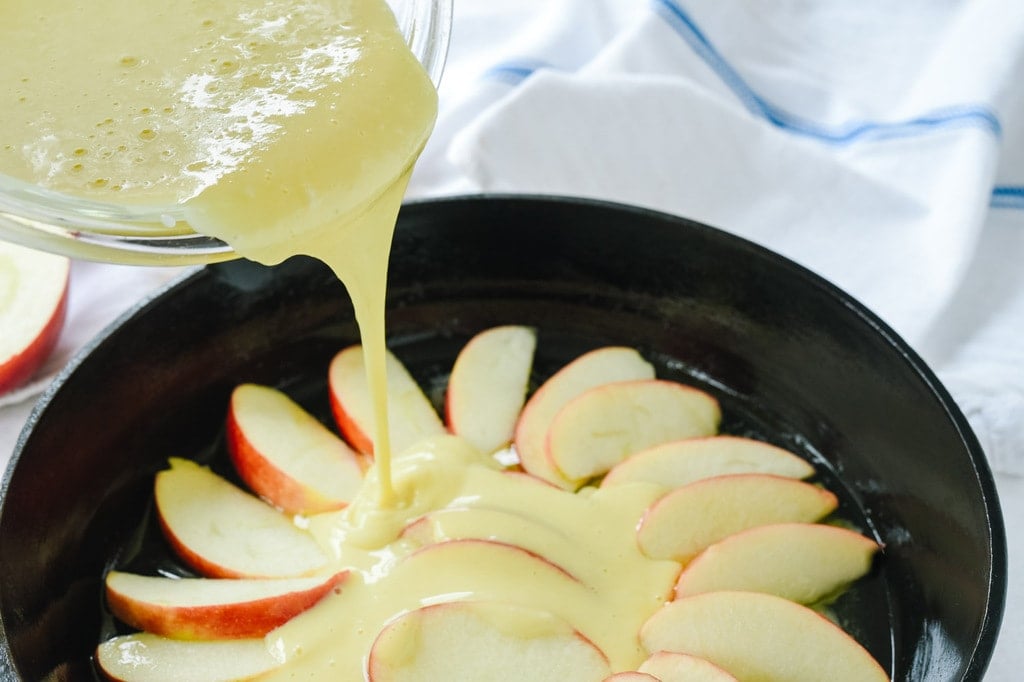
x,y
793,360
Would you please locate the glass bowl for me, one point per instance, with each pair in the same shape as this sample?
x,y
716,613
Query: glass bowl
x,y
158,235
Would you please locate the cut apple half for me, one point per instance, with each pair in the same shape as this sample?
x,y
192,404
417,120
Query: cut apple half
x,y
411,416
684,522
670,666
678,463
286,456
145,657
604,425
601,366
757,636
480,640
211,608
803,562
222,531
488,384
33,307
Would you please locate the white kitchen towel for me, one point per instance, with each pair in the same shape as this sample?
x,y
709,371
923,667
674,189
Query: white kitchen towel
x,y
879,144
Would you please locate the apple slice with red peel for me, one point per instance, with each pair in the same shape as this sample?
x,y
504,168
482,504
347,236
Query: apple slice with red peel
x,y
498,525
678,463
33,307
684,522
145,657
224,532
803,562
487,569
488,384
212,608
476,640
670,666
756,636
411,416
602,426
601,366
286,456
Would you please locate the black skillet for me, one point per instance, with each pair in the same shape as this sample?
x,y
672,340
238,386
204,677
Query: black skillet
x,y
793,360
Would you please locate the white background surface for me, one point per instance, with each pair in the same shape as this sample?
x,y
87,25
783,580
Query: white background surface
x,y
881,146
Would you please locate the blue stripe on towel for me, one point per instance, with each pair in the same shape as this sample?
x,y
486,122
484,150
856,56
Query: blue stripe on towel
x,y
970,115
1008,197
515,71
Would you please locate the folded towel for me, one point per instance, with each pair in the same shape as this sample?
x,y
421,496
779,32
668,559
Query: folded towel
x,y
881,146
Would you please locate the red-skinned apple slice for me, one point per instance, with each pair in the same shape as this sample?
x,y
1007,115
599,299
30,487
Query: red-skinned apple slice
x,y
678,463
684,522
803,562
411,416
224,532
475,640
670,666
487,386
145,657
211,608
33,307
286,456
757,636
602,426
601,366
489,570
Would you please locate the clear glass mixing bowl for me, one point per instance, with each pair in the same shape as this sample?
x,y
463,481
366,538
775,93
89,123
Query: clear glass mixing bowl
x,y
133,235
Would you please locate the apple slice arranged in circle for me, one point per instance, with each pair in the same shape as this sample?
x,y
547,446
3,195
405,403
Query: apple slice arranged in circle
x,y
286,456
757,636
669,666
211,608
411,416
604,425
678,463
488,384
684,522
483,640
802,562
33,307
145,657
224,532
601,366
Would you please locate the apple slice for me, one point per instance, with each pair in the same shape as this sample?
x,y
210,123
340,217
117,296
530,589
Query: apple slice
x,y
601,366
803,562
678,463
33,307
757,636
486,569
476,640
411,416
684,522
487,386
670,666
224,532
286,456
211,608
631,676
604,425
145,657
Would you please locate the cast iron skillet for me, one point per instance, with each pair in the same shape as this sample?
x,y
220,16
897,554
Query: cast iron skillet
x,y
793,360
